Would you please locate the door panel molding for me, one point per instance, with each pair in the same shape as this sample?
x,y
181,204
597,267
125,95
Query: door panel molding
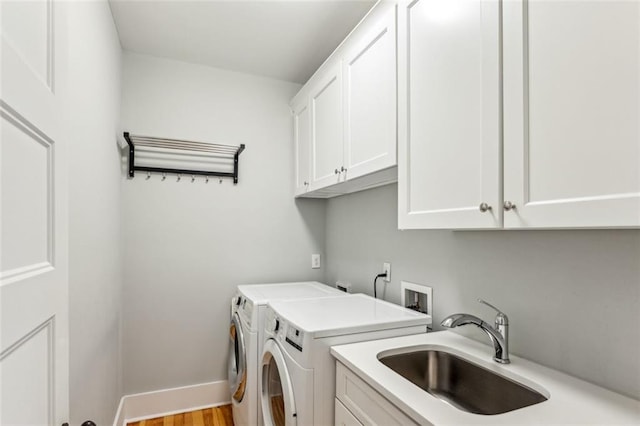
x,y
39,265
22,345
21,52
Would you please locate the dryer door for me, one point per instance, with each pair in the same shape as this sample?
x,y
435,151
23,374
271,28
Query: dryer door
x,y
276,392
237,367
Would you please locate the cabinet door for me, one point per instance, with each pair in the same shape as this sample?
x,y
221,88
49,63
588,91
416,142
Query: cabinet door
x,y
302,145
344,416
364,403
571,113
449,114
327,129
370,100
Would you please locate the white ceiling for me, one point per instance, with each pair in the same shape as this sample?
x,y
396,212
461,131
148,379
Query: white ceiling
x,y
286,39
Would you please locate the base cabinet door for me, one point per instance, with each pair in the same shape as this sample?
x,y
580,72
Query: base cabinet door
x,y
344,416
369,72
449,114
571,113
364,403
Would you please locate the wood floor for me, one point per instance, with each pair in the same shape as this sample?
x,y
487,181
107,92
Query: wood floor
x,y
277,410
216,416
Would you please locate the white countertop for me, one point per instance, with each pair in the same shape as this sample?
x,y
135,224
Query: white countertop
x,y
571,400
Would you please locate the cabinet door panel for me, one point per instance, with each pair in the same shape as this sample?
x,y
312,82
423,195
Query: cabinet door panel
x,y
344,416
370,100
365,403
572,108
302,144
449,114
327,129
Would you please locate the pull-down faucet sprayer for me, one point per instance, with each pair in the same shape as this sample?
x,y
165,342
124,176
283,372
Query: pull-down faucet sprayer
x,y
498,335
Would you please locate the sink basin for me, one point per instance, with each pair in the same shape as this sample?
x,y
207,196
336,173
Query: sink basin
x,y
461,383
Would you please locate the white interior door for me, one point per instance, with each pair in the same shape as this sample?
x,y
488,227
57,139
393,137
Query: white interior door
x,y
571,113
33,242
449,114
370,100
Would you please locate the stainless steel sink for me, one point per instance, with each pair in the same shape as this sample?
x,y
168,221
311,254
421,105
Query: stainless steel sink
x,y
461,383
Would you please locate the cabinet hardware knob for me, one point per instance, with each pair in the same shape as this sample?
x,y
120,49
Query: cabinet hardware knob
x,y
508,205
306,183
336,171
484,207
343,169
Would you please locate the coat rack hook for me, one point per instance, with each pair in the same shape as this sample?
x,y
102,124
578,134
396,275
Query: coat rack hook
x,y
220,181
148,176
164,176
179,177
206,179
193,178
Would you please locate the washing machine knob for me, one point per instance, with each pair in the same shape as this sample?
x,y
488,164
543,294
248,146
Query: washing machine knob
x,y
276,327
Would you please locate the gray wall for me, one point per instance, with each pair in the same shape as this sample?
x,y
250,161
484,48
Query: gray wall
x,y
95,249
573,297
188,245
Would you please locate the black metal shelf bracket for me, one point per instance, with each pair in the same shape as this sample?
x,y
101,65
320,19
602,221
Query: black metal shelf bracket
x,y
205,150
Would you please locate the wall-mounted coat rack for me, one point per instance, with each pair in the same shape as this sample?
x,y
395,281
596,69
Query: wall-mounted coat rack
x,y
206,154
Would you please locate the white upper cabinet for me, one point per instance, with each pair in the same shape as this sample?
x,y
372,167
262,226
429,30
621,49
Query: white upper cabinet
x,y
352,112
302,144
327,129
572,113
555,144
369,70
449,114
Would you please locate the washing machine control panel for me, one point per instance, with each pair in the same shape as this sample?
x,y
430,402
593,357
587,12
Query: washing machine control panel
x,y
294,337
246,310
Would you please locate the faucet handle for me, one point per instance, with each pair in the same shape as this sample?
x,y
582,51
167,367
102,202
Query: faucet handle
x,y
501,318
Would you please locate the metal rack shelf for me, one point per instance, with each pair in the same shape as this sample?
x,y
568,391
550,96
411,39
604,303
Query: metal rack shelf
x,y
206,152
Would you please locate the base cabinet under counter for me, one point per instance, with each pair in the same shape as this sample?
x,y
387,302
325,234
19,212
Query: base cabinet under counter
x,y
344,416
357,403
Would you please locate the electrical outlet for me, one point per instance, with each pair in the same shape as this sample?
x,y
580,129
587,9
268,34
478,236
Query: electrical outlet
x,y
386,267
315,261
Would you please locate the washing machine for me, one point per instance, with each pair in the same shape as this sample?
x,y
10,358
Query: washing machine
x,y
248,307
297,371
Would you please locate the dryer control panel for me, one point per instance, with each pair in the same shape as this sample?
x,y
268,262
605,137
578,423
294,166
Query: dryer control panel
x,y
272,324
295,337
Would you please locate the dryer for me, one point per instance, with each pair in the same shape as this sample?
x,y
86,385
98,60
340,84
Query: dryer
x,y
297,371
246,334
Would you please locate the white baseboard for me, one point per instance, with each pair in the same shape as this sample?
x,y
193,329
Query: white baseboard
x,y
165,402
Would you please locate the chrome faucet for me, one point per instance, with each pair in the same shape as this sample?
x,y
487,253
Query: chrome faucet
x,y
498,335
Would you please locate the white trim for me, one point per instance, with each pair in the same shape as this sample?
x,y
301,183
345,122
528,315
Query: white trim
x,y
119,420
165,402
